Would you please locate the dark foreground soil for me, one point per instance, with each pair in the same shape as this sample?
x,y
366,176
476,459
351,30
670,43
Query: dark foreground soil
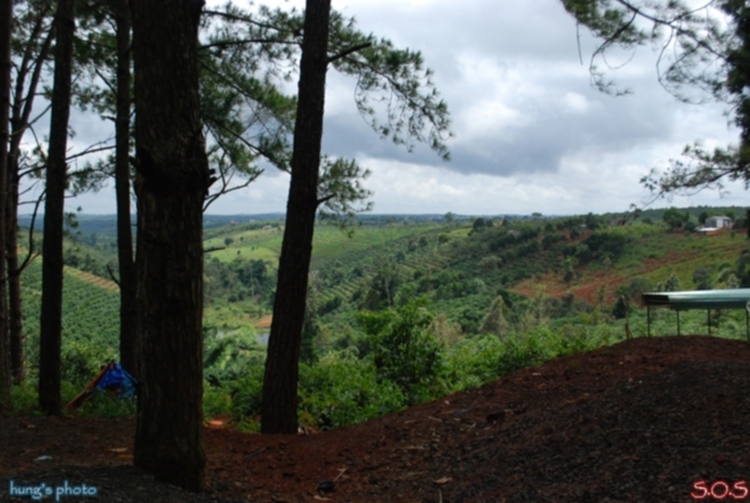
x,y
642,421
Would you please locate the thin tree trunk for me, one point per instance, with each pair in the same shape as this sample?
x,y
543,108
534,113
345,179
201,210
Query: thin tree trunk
x,y
22,107
171,186
279,405
128,341
15,314
50,336
6,23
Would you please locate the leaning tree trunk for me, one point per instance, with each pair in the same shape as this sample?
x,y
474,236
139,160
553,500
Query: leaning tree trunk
x,y
6,23
50,336
173,180
128,340
279,405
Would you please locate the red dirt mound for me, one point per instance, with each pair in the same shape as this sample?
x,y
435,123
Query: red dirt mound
x,y
644,420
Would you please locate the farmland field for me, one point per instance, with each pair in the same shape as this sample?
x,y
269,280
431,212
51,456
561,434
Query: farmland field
x,y
329,241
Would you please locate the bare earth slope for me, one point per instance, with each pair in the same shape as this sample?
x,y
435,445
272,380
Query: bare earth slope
x,y
643,420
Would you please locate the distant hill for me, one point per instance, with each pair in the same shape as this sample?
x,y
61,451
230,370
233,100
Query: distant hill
x,y
106,225
460,267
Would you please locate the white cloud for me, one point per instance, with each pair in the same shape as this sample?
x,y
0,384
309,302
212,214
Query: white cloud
x,y
531,133
576,103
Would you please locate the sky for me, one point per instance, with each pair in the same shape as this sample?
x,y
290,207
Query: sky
x,y
531,133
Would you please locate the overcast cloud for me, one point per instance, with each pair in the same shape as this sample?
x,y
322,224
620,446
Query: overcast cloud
x,y
531,133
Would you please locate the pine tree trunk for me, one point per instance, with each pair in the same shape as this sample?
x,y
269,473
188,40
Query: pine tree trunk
x,y
50,329
279,405
6,17
15,314
173,180
23,103
128,341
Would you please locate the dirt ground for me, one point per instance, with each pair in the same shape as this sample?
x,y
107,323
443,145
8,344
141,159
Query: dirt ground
x,y
652,419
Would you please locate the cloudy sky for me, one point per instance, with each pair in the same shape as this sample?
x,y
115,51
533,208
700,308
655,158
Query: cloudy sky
x,y
531,133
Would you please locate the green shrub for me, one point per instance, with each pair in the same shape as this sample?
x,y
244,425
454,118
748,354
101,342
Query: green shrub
x,y
104,404
472,362
216,401
522,352
404,351
25,397
341,390
336,391
246,394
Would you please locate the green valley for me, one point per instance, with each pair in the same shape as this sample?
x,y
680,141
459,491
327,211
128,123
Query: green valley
x,y
408,309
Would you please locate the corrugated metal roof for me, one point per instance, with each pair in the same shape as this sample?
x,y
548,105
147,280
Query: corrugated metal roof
x,y
699,299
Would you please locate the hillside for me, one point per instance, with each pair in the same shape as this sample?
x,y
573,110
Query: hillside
x,y
523,290
644,420
91,319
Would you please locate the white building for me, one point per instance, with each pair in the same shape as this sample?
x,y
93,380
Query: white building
x,y
715,224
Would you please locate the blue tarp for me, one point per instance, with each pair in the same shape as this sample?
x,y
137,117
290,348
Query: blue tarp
x,y
118,379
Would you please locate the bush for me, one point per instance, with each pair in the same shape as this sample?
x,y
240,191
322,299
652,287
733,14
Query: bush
x,y
404,351
702,278
341,390
80,362
336,391
247,393
25,397
216,401
472,362
104,404
638,287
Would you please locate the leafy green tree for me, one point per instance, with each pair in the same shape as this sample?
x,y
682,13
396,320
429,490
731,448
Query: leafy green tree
x,y
727,278
702,278
480,224
569,265
469,319
675,219
703,217
404,350
383,288
496,320
620,309
593,222
671,284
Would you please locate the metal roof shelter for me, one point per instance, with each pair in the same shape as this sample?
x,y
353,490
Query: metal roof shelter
x,y
738,298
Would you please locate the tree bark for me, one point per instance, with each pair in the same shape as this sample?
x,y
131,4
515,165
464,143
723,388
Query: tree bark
x,y
128,341
279,405
15,314
6,23
50,338
173,180
23,103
